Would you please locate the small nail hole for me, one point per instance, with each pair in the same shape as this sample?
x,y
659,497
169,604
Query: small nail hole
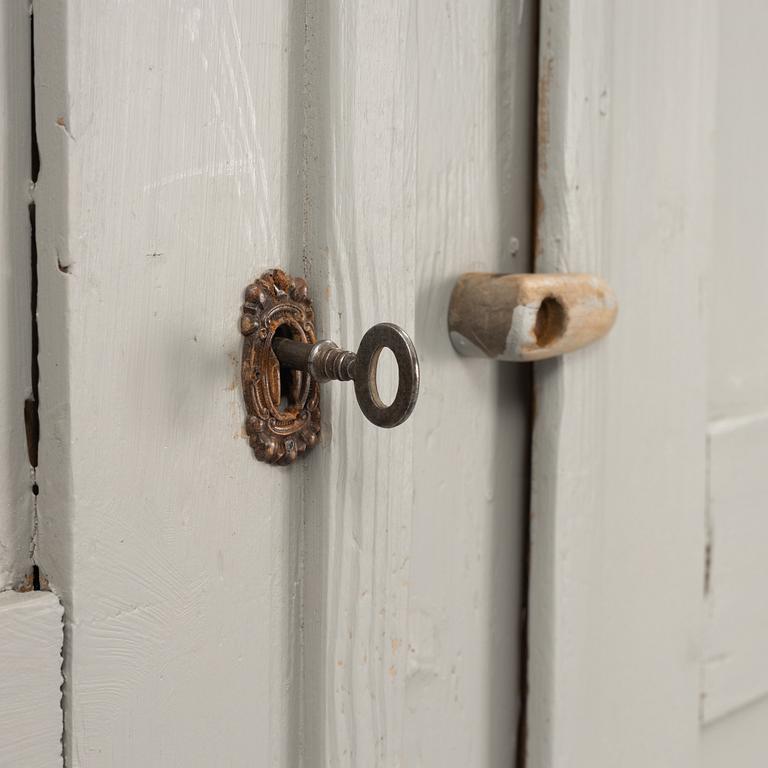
x,y
551,321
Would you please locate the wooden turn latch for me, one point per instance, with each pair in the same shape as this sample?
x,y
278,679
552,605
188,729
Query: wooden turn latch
x,y
523,318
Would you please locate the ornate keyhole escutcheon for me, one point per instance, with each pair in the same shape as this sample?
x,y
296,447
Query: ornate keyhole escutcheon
x,y
282,405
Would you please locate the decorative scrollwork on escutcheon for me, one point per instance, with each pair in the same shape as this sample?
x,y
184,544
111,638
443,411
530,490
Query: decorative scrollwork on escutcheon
x,y
283,416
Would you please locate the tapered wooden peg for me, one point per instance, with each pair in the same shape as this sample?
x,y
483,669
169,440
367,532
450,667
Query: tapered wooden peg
x,y
522,318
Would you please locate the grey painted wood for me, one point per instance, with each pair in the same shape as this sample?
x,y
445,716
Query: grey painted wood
x,y
361,607
618,527
737,614
739,739
737,347
16,499
31,636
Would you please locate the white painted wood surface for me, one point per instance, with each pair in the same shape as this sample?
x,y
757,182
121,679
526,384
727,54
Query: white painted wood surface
x,y
737,272
164,189
618,528
30,680
735,682
739,740
735,671
360,253
362,607
414,567
16,500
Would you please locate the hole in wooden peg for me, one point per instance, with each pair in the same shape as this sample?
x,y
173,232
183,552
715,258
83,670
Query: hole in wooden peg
x,y
551,321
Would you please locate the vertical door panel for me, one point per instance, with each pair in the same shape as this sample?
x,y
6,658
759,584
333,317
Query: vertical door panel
x,y
30,622
618,526
734,676
163,191
475,166
16,499
363,606
419,170
361,252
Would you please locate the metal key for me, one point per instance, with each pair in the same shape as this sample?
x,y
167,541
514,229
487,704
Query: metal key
x,y
326,361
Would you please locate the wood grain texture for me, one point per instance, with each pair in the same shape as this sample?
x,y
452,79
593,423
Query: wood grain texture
x,y
476,93
618,528
163,191
31,639
419,139
360,255
361,607
737,618
16,500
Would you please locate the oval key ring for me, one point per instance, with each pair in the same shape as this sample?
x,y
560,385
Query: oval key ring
x,y
399,343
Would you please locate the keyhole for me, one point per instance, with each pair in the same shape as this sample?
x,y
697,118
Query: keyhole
x,y
290,379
